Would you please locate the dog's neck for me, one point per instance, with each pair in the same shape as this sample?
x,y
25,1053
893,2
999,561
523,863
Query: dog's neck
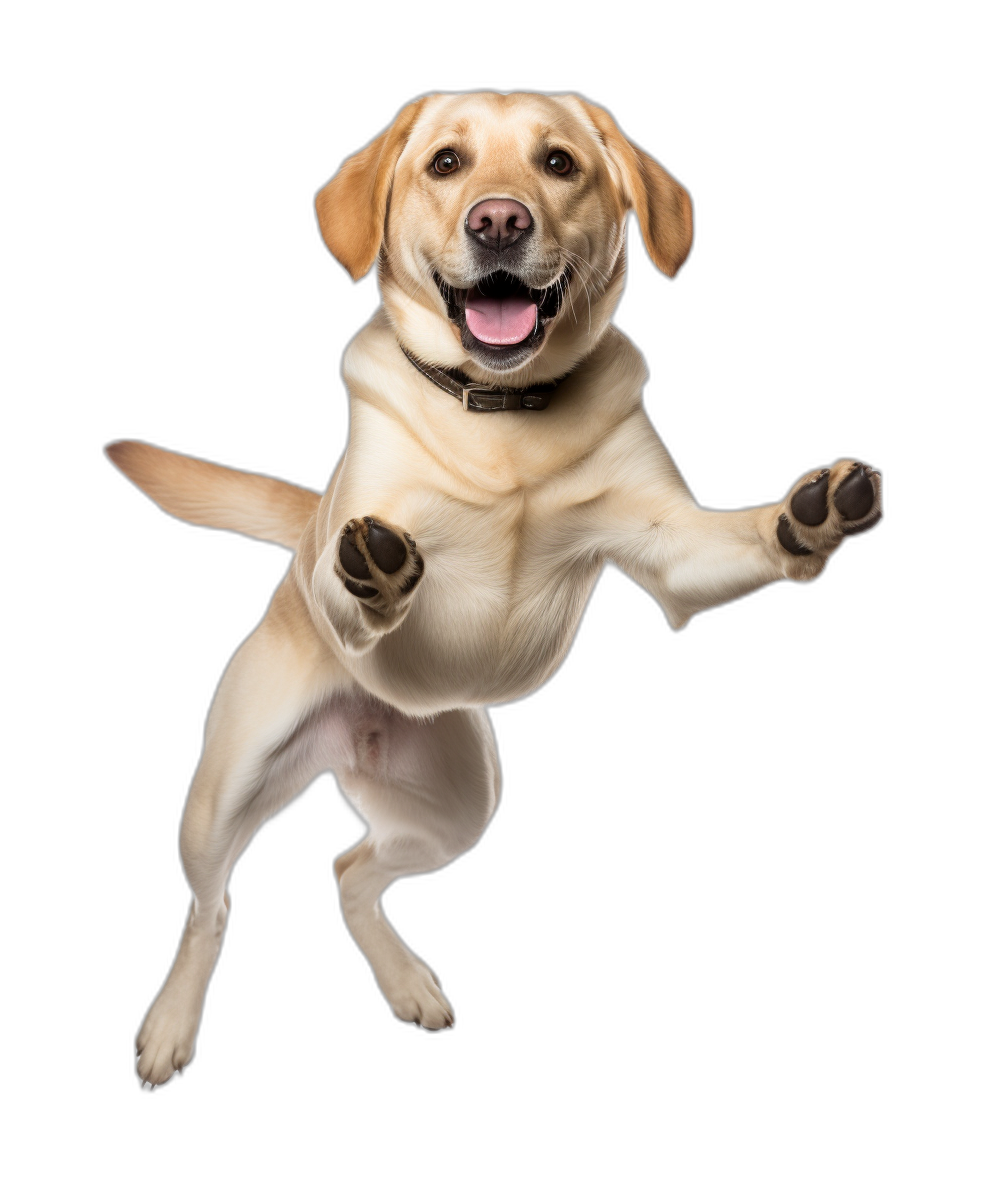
x,y
478,396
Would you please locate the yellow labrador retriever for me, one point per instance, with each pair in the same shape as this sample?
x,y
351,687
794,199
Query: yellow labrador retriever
x,y
499,456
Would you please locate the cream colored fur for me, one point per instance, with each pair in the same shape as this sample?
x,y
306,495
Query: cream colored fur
x,y
514,515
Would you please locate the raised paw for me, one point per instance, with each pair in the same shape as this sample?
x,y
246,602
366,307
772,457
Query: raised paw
x,y
822,509
378,564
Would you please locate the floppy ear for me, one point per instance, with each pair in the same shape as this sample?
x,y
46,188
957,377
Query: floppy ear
x,y
351,208
663,207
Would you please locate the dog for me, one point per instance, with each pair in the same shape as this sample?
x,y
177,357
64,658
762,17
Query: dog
x,y
498,457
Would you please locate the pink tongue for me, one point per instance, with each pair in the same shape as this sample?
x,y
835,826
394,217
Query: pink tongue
x,y
500,322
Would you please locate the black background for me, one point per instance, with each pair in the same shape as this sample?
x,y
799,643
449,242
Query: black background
x,y
688,867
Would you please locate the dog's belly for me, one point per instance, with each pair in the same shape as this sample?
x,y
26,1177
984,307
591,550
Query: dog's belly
x,y
478,641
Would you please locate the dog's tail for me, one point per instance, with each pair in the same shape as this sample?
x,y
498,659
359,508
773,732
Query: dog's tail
x,y
212,495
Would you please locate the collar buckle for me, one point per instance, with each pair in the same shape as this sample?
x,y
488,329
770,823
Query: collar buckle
x,y
469,388
531,398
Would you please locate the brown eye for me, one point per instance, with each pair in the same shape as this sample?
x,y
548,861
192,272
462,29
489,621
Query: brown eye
x,y
446,162
559,163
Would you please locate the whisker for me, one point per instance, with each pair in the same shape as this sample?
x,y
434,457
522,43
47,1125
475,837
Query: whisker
x,y
565,278
603,278
588,297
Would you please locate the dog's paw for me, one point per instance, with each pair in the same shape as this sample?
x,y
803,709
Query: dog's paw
x,y
167,1039
378,564
822,510
415,996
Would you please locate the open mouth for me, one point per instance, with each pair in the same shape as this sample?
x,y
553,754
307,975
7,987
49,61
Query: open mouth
x,y
501,319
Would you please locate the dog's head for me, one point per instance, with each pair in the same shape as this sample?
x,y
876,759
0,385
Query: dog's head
x,y
498,222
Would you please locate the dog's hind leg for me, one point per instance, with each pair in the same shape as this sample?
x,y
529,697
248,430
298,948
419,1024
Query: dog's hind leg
x,y
255,760
427,789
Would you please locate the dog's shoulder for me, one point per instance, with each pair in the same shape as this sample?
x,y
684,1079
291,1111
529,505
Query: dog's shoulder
x,y
611,379
370,357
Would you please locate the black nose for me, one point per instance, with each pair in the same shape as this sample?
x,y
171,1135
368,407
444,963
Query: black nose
x,y
498,222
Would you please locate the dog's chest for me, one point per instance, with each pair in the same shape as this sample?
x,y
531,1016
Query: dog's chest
x,y
505,583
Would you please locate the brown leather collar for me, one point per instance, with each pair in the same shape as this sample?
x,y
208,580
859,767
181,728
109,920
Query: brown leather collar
x,y
474,396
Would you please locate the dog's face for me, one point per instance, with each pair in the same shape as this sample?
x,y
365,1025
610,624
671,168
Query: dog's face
x,y
499,224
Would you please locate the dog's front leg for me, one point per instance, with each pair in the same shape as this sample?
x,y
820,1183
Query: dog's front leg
x,y
691,559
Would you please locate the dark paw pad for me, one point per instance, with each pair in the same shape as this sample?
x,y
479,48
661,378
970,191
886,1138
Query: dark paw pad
x,y
351,559
786,538
859,527
386,547
855,495
360,590
809,504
